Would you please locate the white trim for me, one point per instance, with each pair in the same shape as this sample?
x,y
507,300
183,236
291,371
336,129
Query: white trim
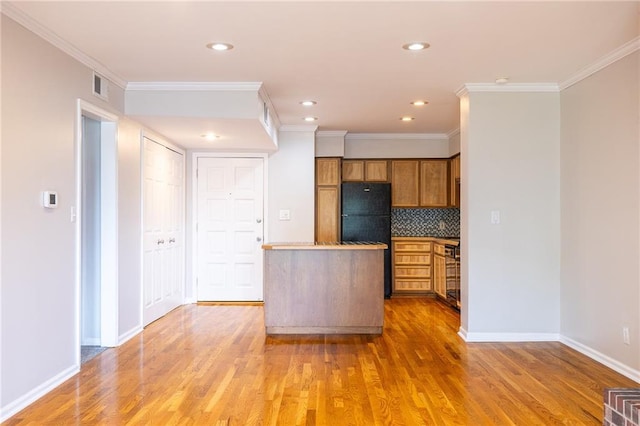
x,y
298,128
330,133
125,337
508,337
194,206
507,88
94,341
186,86
624,50
615,365
454,132
396,136
34,26
38,392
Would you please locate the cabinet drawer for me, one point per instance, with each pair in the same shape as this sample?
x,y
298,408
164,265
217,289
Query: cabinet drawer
x,y
412,259
412,285
412,271
438,249
412,246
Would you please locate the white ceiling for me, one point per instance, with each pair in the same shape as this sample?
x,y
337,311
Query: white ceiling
x,y
347,56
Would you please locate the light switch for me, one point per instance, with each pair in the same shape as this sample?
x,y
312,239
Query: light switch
x,y
495,217
285,215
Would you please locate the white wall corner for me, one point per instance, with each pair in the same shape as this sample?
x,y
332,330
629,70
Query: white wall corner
x,y
298,128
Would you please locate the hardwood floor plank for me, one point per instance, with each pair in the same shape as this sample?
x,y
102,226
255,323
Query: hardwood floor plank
x,y
214,365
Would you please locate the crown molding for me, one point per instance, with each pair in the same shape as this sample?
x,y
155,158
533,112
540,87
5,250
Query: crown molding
x,y
331,133
507,88
298,128
43,32
624,50
454,132
397,136
187,86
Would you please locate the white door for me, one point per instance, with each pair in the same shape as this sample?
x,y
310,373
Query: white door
x,y
229,229
163,231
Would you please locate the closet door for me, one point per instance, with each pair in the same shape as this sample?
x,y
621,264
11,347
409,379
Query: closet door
x,y
163,224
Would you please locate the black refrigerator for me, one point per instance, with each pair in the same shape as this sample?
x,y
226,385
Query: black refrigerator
x,y
366,216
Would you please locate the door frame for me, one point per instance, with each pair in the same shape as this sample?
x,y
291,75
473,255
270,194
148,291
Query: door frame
x,y
193,216
108,226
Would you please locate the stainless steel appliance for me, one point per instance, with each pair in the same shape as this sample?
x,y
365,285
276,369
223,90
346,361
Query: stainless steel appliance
x,y
452,261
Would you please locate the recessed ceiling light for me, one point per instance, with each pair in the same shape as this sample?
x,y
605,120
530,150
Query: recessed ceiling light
x,y
502,80
416,45
405,118
220,46
210,136
310,118
419,103
308,103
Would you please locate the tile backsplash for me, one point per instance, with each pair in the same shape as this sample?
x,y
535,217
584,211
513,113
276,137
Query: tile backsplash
x,y
425,222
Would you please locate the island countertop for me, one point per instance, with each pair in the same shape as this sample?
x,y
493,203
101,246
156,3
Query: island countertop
x,y
337,245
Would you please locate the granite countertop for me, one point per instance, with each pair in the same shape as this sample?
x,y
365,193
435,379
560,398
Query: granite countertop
x,y
344,245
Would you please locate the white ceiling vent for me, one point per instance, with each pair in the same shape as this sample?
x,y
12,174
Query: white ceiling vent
x,y
100,86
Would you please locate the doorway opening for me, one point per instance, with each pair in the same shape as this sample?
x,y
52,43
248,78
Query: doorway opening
x,y
96,231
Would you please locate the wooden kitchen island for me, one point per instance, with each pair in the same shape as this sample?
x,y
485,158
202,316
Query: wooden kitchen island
x,y
324,288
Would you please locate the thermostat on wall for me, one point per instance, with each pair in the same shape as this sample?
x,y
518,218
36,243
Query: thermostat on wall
x,y
50,199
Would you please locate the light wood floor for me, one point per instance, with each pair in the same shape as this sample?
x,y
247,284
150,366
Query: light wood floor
x,y
213,365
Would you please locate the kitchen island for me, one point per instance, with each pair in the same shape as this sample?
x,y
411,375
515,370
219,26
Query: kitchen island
x,y
324,288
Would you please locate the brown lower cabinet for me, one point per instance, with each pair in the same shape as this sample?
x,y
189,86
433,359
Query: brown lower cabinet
x,y
411,266
439,271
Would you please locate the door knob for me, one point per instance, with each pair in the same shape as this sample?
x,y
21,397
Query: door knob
x,y
259,220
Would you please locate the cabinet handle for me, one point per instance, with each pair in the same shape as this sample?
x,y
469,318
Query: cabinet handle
x,y
172,240
258,239
160,242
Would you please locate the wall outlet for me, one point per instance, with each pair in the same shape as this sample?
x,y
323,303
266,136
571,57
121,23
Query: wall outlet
x,y
442,225
495,217
625,336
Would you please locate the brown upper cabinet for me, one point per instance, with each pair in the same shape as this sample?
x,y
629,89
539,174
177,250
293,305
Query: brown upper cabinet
x,y
454,184
328,199
365,171
434,183
405,183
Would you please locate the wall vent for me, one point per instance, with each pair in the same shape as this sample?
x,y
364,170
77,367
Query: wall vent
x,y
100,86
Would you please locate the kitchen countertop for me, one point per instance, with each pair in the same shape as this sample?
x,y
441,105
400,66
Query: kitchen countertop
x,y
346,245
440,240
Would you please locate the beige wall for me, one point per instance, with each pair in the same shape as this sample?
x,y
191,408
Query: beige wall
x,y
40,88
388,146
510,164
292,187
600,291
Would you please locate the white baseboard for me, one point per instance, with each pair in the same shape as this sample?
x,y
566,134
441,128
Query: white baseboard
x,y
190,300
38,392
91,341
129,335
613,364
508,337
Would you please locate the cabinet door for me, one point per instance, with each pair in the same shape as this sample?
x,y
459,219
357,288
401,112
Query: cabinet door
x,y
376,171
327,214
434,189
454,183
404,183
327,171
352,170
439,275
